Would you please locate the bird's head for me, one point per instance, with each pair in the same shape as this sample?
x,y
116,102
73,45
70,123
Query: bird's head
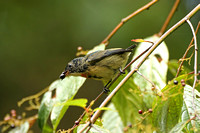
x,y
74,67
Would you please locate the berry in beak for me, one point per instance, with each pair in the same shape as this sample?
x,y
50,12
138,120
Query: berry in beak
x,y
64,74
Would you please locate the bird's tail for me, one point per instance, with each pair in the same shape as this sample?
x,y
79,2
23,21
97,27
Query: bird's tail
x,y
131,47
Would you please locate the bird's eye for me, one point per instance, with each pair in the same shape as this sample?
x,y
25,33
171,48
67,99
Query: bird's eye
x,y
70,65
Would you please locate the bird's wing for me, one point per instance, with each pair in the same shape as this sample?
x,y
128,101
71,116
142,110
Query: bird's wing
x,y
97,56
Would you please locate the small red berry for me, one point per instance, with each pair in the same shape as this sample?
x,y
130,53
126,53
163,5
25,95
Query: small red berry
x,y
80,48
182,81
12,125
183,84
76,122
125,129
150,110
7,118
153,88
13,113
130,125
140,111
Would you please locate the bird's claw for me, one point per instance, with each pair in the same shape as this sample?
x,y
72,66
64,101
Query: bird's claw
x,y
106,90
121,71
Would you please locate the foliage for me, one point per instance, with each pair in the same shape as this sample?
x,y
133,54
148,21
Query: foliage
x,y
165,107
146,102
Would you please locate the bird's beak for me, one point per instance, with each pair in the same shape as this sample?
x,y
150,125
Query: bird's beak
x,y
64,74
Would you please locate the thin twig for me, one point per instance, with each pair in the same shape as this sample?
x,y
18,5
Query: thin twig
x,y
32,97
195,65
169,17
185,54
146,79
105,41
97,113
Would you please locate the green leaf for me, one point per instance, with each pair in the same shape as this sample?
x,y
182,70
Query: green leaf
x,y
188,111
112,120
178,128
167,108
45,109
94,129
76,102
102,108
154,68
65,91
21,129
128,101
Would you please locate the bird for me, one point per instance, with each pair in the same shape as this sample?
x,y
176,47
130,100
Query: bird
x,y
99,65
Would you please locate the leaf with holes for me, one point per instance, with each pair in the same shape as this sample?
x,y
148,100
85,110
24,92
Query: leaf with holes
x,y
154,69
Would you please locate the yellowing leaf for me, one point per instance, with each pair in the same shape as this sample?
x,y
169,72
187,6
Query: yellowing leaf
x,y
141,40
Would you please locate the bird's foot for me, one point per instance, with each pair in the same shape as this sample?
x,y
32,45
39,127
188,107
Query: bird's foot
x,y
121,71
106,90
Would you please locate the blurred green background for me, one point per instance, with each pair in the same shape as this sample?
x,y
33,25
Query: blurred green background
x,y
38,38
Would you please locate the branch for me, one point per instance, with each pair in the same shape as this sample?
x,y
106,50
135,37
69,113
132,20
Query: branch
x,y
105,41
195,64
169,17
